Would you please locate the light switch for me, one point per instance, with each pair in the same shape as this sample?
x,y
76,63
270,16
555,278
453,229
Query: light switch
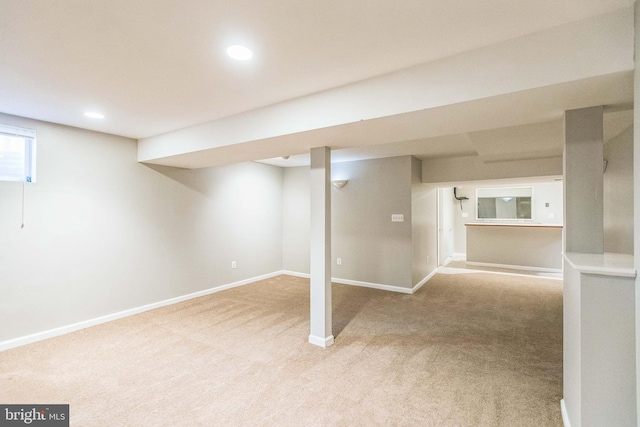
x,y
397,217
465,214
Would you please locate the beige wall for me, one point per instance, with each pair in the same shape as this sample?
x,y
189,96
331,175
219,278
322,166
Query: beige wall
x,y
618,194
105,234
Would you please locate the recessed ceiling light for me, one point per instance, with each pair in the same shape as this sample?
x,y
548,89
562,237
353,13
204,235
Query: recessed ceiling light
x,y
94,115
240,53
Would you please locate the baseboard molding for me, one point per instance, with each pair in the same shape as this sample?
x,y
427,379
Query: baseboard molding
x,y
458,256
565,415
380,286
39,336
423,281
516,267
321,342
296,274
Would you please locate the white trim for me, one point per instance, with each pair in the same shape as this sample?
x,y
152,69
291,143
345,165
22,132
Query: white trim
x,y
296,274
39,336
373,285
423,281
446,261
565,415
380,286
458,256
606,264
516,267
321,342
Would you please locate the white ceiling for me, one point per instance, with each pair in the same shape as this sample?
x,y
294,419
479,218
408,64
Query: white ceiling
x,y
154,66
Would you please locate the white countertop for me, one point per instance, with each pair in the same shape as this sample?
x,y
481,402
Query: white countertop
x,y
513,224
608,264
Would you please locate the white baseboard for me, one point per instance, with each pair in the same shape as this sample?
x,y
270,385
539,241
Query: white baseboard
x,y
423,281
372,285
458,256
39,336
565,415
380,286
296,274
516,267
321,342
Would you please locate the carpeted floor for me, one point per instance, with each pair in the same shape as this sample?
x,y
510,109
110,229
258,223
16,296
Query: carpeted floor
x,y
465,350
460,264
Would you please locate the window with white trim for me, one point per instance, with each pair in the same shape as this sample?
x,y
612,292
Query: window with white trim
x,y
17,154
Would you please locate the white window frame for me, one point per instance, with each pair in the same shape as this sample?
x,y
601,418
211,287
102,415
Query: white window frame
x,y
29,136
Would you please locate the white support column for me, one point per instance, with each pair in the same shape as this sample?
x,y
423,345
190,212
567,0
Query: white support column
x,y
321,320
583,180
636,192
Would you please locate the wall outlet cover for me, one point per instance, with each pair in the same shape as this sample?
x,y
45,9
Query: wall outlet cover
x,y
397,217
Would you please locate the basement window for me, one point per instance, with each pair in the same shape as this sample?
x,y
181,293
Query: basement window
x,y
17,154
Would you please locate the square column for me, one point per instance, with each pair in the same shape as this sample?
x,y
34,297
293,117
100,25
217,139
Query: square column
x,y
320,262
583,180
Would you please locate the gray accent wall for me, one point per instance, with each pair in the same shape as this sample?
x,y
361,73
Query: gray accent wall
x,y
372,249
618,194
296,219
105,234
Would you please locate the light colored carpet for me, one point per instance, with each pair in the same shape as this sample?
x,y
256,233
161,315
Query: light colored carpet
x,y
465,350
463,265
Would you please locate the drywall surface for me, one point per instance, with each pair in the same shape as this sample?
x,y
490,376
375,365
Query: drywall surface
x,y
296,216
105,234
599,347
548,192
371,248
618,194
538,247
472,168
424,226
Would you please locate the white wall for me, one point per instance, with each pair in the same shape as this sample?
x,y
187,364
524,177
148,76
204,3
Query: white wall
x,y
104,233
543,192
618,194
446,211
447,172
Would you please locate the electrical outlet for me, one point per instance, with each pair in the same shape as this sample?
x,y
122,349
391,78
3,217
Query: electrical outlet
x,y
465,214
233,264
339,261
